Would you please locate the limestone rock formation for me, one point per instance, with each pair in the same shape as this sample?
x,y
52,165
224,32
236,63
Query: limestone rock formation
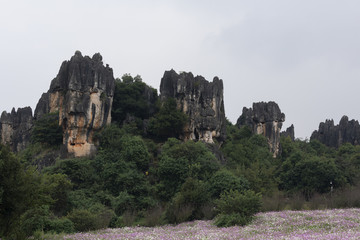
x,y
289,132
335,135
15,128
82,93
201,100
266,119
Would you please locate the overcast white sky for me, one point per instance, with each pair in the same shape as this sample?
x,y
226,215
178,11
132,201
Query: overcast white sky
x,y
302,54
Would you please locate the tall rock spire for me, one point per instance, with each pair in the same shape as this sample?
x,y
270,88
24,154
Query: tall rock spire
x,y
264,118
201,100
82,94
15,128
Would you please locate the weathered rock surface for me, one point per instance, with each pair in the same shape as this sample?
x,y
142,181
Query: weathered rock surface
x,y
82,93
266,119
201,100
289,132
15,128
335,135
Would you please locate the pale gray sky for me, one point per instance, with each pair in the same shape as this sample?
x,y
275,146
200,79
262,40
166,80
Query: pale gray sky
x,y
302,54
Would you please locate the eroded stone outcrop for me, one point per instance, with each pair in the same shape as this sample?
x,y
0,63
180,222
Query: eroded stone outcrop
x,y
201,100
82,93
264,118
289,132
15,128
335,135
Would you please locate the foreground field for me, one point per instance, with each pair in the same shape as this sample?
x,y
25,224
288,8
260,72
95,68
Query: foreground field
x,y
324,224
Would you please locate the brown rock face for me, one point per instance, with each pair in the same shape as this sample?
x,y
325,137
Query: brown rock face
x,y
266,119
201,100
15,128
82,93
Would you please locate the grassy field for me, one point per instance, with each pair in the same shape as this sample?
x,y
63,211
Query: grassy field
x,y
320,224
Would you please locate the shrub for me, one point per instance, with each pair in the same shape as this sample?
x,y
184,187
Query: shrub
x,y
238,206
227,220
126,220
96,217
223,180
187,204
154,216
34,219
83,220
60,225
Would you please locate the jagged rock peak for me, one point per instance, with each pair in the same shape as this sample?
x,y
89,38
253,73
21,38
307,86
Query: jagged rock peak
x,y
335,135
289,132
84,74
15,128
201,100
264,118
82,93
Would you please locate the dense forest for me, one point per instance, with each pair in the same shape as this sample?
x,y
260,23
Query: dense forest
x,y
143,174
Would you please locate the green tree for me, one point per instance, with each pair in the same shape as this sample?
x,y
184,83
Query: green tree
x,y
57,186
179,160
133,97
224,181
168,122
47,131
249,156
20,191
310,174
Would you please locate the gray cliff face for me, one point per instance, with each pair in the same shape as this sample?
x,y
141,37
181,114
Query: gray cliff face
x,y
335,135
266,119
82,93
201,100
289,132
15,128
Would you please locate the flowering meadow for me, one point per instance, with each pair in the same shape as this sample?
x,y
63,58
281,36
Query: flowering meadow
x,y
319,224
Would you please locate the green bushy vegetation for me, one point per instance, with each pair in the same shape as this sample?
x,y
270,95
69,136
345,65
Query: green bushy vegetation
x,y
168,122
47,131
131,99
144,175
237,208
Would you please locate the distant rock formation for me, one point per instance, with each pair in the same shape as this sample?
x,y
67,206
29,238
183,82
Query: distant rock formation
x,y
289,132
335,135
82,93
15,128
201,100
266,119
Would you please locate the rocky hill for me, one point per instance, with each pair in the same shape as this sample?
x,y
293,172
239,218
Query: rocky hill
x,y
15,128
264,118
81,93
334,135
202,101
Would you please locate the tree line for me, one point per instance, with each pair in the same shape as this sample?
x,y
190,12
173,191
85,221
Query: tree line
x,y
143,175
